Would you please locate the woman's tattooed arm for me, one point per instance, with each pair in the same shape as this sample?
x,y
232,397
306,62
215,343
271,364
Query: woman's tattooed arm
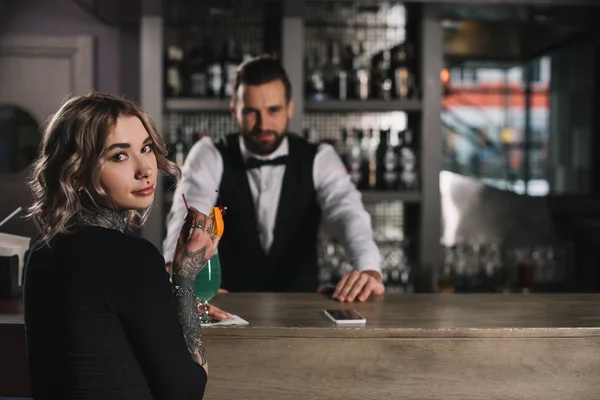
x,y
190,263
185,270
189,318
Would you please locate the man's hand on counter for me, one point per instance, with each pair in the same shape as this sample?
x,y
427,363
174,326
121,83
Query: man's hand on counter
x,y
216,313
358,285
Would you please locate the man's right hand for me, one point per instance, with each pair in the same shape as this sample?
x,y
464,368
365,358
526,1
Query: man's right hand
x,y
195,246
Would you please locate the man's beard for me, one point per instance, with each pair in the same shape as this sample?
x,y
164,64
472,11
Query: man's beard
x,y
263,148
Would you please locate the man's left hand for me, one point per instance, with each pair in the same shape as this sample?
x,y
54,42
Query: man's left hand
x,y
358,285
216,313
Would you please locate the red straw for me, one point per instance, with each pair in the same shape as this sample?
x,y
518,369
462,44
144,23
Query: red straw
x,y
185,201
221,204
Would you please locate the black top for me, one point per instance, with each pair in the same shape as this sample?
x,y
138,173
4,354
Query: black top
x,y
291,263
101,321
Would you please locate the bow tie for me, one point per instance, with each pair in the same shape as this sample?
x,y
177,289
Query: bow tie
x,y
253,162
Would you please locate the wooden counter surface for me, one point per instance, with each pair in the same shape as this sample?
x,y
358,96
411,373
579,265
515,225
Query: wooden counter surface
x,y
413,346
451,316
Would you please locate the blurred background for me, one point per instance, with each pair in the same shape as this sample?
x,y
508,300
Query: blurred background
x,y
471,128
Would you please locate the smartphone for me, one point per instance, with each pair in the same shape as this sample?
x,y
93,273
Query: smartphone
x,y
345,317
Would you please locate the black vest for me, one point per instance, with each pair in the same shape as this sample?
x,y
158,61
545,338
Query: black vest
x,y
291,264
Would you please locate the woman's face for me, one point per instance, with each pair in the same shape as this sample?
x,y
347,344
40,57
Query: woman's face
x,y
130,170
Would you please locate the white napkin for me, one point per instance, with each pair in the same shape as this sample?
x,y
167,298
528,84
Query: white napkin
x,y
234,320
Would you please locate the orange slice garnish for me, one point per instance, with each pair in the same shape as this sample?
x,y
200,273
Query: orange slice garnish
x,y
218,225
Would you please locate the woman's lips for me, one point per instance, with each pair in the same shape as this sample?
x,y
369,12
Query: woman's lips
x,y
145,192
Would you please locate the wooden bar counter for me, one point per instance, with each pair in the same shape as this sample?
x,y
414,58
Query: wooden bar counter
x,y
412,347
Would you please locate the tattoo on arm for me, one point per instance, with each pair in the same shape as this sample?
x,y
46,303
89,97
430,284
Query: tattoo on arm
x,y
190,263
189,318
185,270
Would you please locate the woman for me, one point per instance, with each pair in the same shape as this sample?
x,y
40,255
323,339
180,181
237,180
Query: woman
x,y
103,320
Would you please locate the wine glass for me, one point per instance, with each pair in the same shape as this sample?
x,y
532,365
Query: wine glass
x,y
207,284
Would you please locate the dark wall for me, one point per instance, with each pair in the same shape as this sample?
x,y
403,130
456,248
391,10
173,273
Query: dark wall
x,y
574,81
117,50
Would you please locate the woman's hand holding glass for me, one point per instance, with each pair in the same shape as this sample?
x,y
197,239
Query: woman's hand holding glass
x,y
195,246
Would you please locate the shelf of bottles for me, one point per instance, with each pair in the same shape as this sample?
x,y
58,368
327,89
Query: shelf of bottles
x,y
379,152
471,267
204,43
362,96
359,58
183,130
361,87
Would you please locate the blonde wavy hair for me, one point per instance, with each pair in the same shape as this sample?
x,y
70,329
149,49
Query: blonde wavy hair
x,y
71,160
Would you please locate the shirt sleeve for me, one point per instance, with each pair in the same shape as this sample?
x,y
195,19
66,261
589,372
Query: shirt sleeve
x,y
147,308
344,214
201,177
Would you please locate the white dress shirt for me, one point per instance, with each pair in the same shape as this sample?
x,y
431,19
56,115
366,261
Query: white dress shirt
x,y
343,214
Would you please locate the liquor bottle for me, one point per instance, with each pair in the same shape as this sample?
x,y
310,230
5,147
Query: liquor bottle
x,y
372,149
354,159
347,74
387,163
316,79
341,87
385,86
231,62
173,71
369,163
331,70
363,140
408,161
363,78
344,149
401,73
215,74
314,85
381,84
198,77
179,147
376,75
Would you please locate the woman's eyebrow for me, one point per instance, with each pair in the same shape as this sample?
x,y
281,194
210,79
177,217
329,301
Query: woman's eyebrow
x,y
126,145
118,145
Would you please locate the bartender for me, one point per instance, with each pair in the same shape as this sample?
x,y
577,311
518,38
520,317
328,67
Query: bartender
x,y
278,188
